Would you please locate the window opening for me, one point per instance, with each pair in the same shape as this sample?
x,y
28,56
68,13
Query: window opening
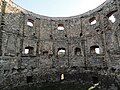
x,y
60,27
92,21
74,67
77,51
29,79
65,35
81,34
95,80
30,22
45,52
51,37
29,50
5,71
62,77
26,51
111,17
95,49
13,70
61,51
113,69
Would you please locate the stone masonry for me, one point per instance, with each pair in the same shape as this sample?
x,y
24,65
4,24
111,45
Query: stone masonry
x,y
40,49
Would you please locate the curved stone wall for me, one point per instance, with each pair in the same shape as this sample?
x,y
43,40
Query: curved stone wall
x,y
37,48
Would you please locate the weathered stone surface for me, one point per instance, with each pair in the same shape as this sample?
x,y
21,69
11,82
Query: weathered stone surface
x,y
37,49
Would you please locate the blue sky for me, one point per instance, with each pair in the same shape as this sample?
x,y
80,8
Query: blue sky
x,y
59,8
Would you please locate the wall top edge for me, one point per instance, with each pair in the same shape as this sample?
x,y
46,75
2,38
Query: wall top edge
x,y
58,18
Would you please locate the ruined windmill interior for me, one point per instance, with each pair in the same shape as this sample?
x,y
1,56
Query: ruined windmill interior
x,y
67,53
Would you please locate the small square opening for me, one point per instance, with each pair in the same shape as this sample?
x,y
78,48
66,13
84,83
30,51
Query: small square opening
x,y
29,79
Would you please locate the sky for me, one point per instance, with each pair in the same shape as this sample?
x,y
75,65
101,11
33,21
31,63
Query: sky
x,y
59,8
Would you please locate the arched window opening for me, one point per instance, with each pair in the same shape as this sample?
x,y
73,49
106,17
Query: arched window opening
x,y
92,21
62,77
77,51
111,16
61,51
94,50
29,50
30,22
60,27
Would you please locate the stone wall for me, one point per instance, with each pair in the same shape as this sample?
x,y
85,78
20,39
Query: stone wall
x,y
37,48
